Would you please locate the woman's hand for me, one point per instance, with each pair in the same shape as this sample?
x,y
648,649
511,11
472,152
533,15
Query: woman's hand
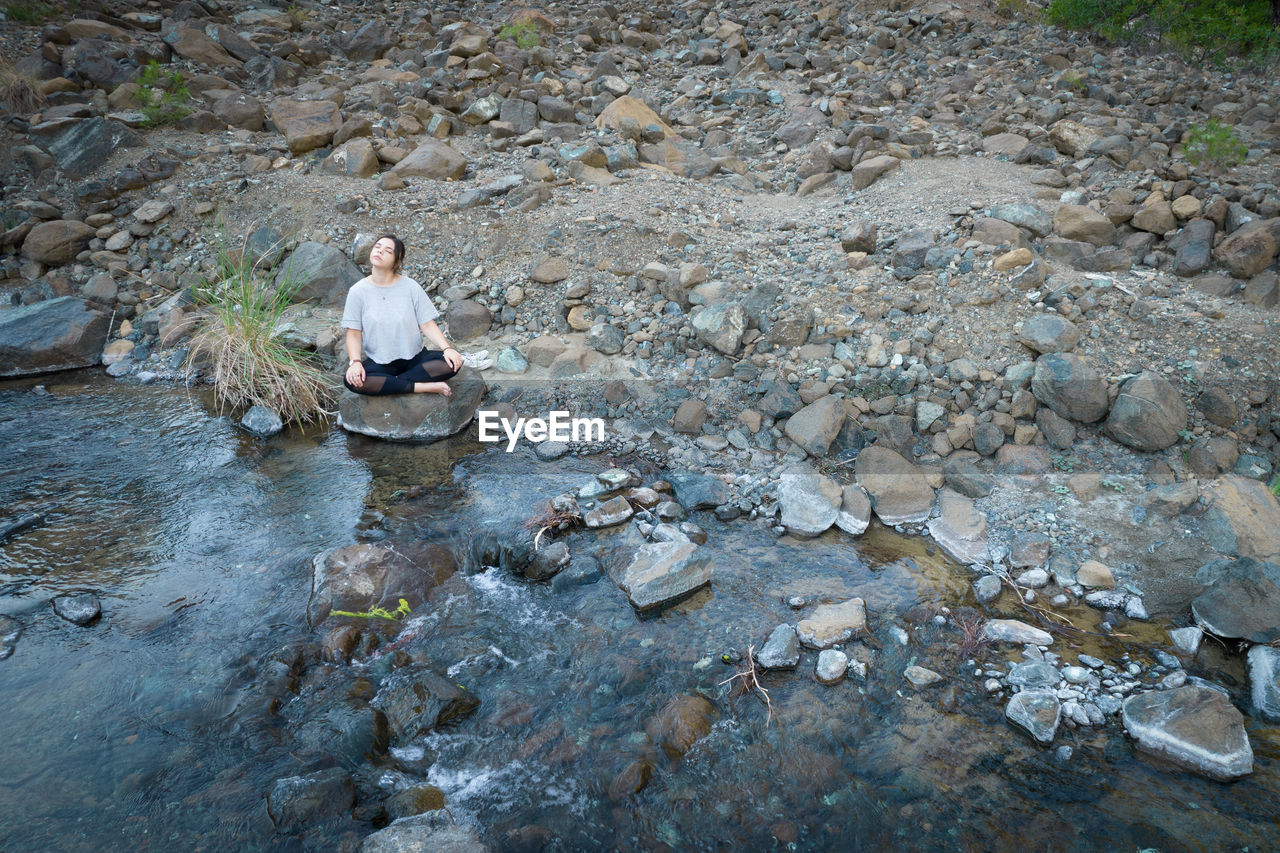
x,y
355,374
453,358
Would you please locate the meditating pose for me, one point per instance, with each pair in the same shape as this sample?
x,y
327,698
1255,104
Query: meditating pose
x,y
386,316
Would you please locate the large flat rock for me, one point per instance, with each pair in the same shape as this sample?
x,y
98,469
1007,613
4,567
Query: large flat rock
x,y
414,417
830,624
429,832
1241,599
900,493
664,571
1193,727
57,334
960,528
1243,518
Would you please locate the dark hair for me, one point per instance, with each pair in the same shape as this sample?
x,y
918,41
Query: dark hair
x,y
398,252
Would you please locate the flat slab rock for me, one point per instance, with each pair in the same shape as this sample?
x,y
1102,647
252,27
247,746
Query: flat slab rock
x,y
1036,712
1192,727
56,334
1013,631
830,624
414,417
430,831
960,528
1241,599
664,571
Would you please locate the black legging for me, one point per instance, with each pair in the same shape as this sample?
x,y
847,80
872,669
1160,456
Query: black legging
x,y
399,376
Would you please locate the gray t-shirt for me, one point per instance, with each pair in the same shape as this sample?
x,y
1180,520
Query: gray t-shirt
x,y
388,317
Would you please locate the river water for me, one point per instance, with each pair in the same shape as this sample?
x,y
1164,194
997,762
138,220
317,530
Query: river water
x,y
140,732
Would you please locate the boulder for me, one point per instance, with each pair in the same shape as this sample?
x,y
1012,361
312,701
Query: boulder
x,y
855,510
297,801
720,325
191,42
1049,333
435,831
432,159
831,667
1071,137
318,273
1264,682
780,401
1155,218
900,493
872,169
358,578
1148,414
1024,215
355,158
698,491
370,42
781,650
1194,248
816,425
1248,250
467,319
306,125
416,700
1014,631
414,417
1036,712
628,107
664,571
57,242
1077,222
1242,518
1241,600
1071,387
1193,727
78,609
960,528
810,502
680,157
830,624
680,724
56,334
87,144
549,270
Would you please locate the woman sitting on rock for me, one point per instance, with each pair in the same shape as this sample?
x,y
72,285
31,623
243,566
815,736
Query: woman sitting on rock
x,y
387,315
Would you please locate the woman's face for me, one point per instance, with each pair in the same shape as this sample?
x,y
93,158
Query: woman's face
x,y
383,254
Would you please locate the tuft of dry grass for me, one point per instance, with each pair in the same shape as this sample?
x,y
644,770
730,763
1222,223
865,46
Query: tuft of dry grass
x,y
247,361
19,94
550,520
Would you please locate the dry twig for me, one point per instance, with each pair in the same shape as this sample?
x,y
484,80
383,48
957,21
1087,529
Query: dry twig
x,y
750,683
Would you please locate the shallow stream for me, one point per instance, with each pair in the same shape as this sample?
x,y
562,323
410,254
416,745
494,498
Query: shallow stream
x,y
135,733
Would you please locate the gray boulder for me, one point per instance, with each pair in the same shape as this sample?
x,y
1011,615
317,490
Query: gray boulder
x,y
1071,387
1049,333
781,650
262,421
416,700
414,417
467,319
698,491
720,325
436,832
810,502
855,510
370,42
87,144
320,273
44,337
1148,414
1036,712
1024,215
1194,248
297,801
664,571
1192,727
1241,599
306,125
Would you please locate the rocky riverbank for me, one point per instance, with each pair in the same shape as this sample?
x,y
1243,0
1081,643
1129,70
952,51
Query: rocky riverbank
x,y
819,268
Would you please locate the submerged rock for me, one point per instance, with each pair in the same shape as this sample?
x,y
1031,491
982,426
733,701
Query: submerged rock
x,y
920,676
1192,727
1037,712
831,666
1013,631
781,650
78,609
358,578
664,571
299,800
435,831
416,699
830,624
681,723
414,417
261,421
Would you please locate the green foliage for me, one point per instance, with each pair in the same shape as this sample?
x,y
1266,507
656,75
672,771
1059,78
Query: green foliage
x,y
1274,485
164,95
1066,464
1197,30
31,11
1215,145
1113,485
378,612
523,33
249,363
1072,80
298,14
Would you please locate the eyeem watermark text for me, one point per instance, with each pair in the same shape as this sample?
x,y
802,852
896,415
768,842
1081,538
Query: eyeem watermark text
x,y
557,426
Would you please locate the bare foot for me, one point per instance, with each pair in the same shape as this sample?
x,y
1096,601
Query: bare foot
x,y
433,388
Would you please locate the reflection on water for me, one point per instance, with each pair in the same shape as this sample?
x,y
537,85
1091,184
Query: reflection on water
x,y
144,731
